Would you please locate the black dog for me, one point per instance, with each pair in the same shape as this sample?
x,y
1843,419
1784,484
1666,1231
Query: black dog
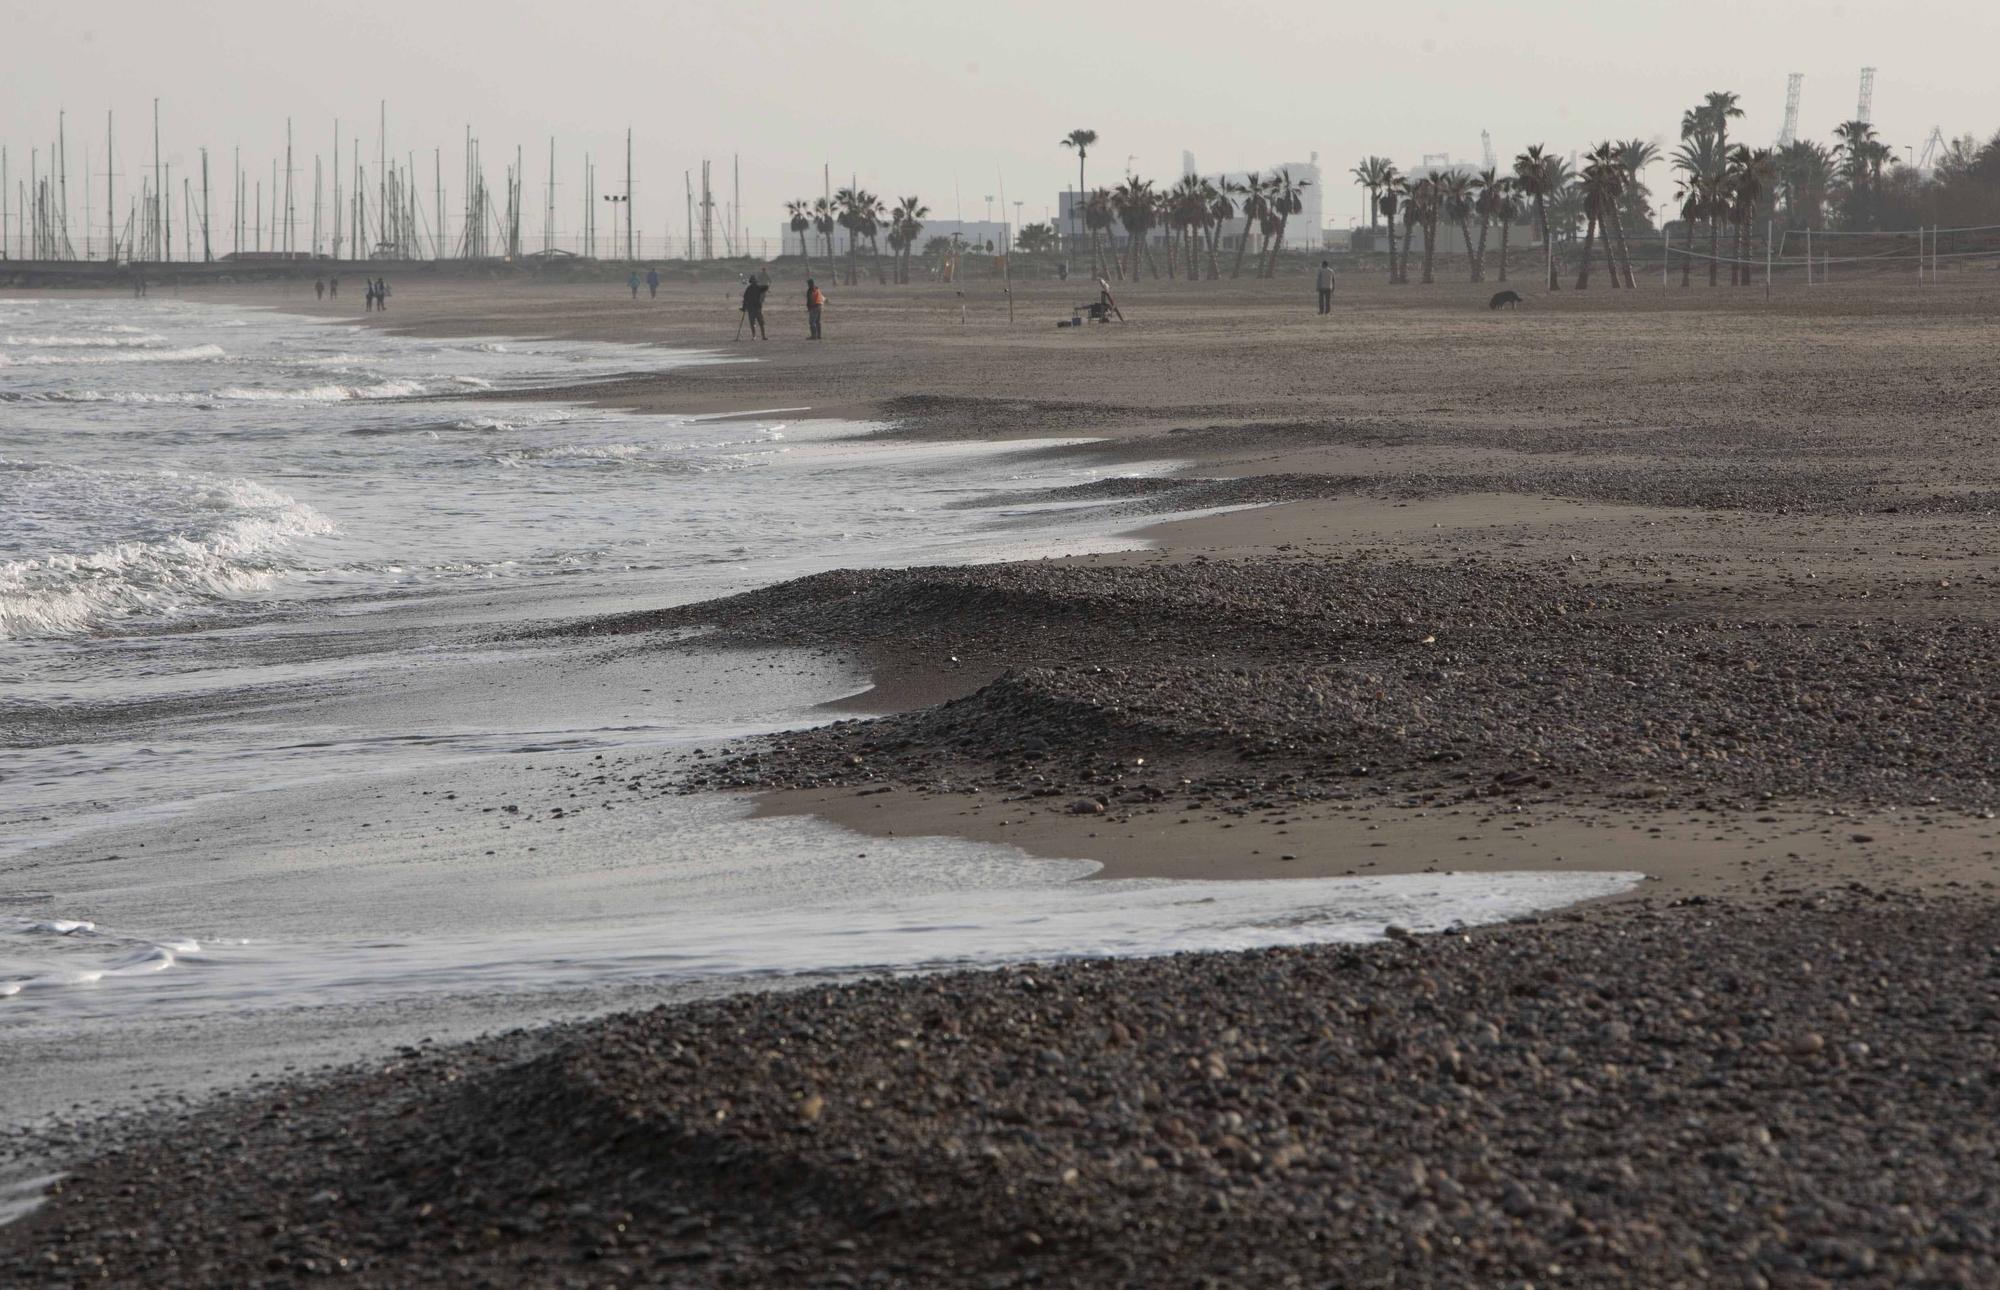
x,y
1508,298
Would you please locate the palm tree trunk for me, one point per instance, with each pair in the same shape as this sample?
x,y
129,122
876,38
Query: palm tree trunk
x,y
1624,252
1548,240
1714,246
1505,224
1606,223
1241,247
1082,214
1465,231
1430,246
1409,232
1687,253
1479,258
1277,245
1589,244
1214,236
1393,279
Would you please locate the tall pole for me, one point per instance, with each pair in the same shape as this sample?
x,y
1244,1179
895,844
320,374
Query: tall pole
x,y
382,171
166,200
628,192
437,177
62,179
110,206
687,178
288,187
156,171
336,190
207,251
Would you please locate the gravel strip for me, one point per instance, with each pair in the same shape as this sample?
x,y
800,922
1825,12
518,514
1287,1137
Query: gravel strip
x,y
1794,1096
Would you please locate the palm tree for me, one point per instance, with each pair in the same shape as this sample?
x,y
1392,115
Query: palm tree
x,y
1590,185
1133,201
1256,192
847,204
1393,188
1699,163
1287,200
1413,214
1534,177
1098,217
1034,239
823,222
1456,193
1805,173
1082,141
1718,108
1221,209
801,213
1611,156
1373,174
1753,176
1427,198
1495,201
1859,156
906,223
1180,210
1635,207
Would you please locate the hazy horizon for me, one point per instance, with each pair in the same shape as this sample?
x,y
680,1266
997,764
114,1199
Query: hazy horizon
x,y
911,98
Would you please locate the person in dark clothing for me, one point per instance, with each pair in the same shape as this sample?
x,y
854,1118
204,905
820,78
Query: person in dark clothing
x,y
753,307
1326,286
333,287
815,301
368,295
382,294
319,288
653,282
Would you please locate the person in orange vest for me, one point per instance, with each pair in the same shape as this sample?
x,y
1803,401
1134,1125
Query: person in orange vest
x,y
815,301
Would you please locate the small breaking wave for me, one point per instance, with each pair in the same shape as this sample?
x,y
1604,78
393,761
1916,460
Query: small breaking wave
x,y
212,539
192,354
134,339
41,954
322,393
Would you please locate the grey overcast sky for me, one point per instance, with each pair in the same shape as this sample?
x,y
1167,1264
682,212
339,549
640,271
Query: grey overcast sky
x,y
943,98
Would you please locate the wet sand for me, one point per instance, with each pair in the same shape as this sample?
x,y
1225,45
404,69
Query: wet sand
x,y
1704,465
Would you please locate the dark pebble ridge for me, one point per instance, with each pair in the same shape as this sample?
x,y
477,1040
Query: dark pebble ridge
x,y
1803,1095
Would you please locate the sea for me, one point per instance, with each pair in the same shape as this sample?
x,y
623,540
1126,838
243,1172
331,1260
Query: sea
x,y
270,725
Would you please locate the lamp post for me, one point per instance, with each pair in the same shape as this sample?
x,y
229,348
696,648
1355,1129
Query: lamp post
x,y
627,203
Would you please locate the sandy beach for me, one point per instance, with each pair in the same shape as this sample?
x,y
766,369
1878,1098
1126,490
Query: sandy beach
x,y
1700,545
1698,584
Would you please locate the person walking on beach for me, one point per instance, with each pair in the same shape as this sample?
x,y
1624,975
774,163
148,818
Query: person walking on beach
x,y
319,288
333,286
1326,286
633,282
815,301
382,294
653,282
753,307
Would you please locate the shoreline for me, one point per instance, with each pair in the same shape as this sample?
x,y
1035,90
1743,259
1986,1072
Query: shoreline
x,y
1355,485
1742,651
